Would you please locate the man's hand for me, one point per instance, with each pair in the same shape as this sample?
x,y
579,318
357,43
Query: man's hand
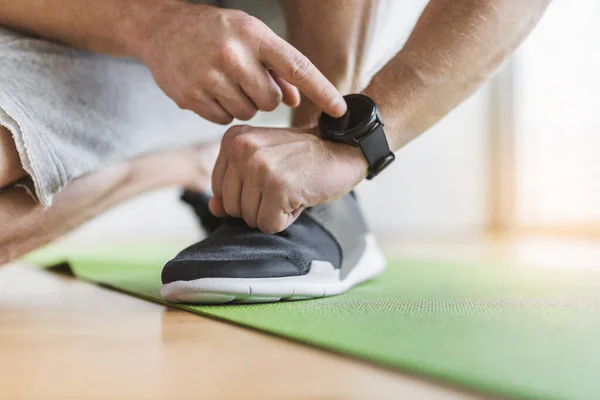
x,y
268,176
224,64
220,63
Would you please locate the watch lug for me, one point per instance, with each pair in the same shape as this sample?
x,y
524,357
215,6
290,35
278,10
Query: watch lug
x,y
378,116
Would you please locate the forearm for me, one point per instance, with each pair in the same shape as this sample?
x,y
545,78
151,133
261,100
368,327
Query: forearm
x,y
332,34
455,47
107,26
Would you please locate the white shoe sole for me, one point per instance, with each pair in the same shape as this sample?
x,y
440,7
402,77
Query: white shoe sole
x,y
322,280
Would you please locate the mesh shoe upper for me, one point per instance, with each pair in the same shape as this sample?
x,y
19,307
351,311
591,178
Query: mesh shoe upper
x,y
234,250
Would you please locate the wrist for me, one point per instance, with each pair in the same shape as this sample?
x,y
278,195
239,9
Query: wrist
x,y
352,156
345,154
136,27
143,23
342,153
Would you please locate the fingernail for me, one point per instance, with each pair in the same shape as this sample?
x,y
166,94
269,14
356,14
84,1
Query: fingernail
x,y
340,107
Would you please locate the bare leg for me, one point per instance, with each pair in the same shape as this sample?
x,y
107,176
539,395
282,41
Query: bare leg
x,y
27,226
10,165
334,35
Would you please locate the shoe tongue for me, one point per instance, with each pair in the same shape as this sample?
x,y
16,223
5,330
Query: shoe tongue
x,y
199,202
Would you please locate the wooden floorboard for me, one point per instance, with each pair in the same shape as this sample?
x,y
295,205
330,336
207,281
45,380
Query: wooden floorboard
x,y
61,338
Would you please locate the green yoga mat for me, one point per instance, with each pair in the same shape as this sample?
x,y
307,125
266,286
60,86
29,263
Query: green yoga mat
x,y
510,331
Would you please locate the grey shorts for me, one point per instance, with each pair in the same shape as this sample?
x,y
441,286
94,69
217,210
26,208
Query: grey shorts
x,y
72,112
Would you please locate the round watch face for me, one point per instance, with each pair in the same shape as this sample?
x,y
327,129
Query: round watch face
x,y
360,114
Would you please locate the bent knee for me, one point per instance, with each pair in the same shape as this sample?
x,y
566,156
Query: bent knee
x,y
10,163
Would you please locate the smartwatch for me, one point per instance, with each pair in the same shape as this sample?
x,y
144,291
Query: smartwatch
x,y
361,126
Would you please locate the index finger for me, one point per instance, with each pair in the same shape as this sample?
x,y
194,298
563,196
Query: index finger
x,y
297,69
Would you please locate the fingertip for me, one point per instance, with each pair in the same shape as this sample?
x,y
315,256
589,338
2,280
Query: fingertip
x,y
215,205
338,108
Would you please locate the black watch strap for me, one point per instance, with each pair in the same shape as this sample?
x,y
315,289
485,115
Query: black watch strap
x,y
376,150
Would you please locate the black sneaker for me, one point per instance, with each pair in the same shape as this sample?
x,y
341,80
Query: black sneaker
x,y
199,203
325,252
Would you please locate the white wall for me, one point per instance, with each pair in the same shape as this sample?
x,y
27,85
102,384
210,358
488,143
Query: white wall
x,y
439,183
437,186
558,118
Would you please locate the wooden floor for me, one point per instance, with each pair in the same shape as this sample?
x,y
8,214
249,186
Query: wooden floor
x,y
65,339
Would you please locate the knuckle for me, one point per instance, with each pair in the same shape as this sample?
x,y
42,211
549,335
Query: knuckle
x,y
300,68
227,137
183,101
295,201
195,94
243,145
228,53
273,180
255,164
246,114
190,98
234,132
238,146
265,170
195,100
197,103
229,18
249,24
213,78
238,14
220,119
